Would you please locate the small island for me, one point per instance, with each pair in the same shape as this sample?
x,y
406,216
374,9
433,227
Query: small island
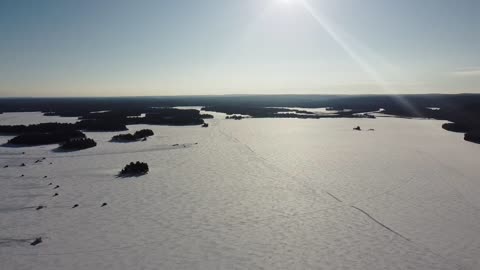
x,y
235,117
40,138
132,169
137,136
78,144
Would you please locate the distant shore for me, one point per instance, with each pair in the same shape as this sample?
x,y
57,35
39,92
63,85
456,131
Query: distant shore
x,y
113,114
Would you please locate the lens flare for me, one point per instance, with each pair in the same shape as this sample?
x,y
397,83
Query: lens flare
x,y
357,58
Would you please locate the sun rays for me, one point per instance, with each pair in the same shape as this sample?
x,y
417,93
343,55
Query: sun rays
x,y
366,67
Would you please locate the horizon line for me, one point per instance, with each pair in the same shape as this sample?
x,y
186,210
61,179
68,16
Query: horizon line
x,y
236,95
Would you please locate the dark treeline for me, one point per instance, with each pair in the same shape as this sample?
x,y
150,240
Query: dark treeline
x,y
37,128
118,124
138,135
50,133
117,120
86,125
257,112
113,121
236,112
473,136
134,106
234,117
34,138
124,138
462,109
143,133
78,144
174,117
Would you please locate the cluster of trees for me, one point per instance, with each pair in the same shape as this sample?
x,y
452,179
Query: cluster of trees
x,y
143,133
455,127
134,168
124,138
473,136
465,123
206,116
30,139
153,115
36,128
112,121
463,110
234,117
172,117
50,133
366,115
68,140
87,125
102,125
78,144
138,135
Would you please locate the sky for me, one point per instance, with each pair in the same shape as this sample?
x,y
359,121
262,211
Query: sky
x,y
216,47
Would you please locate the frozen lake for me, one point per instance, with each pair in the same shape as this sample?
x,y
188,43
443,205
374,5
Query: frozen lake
x,y
27,118
252,194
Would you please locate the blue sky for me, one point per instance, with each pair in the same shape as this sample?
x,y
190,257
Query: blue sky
x,y
182,47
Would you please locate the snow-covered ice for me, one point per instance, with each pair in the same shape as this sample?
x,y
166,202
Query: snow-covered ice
x,y
252,194
27,118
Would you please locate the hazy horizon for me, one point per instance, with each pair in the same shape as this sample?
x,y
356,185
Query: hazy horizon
x,y
231,95
231,47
